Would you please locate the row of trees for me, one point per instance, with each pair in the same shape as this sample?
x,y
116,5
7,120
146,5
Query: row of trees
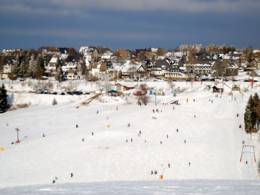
x,y
252,114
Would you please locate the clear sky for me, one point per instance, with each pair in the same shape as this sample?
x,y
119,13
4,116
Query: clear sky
x,y
128,23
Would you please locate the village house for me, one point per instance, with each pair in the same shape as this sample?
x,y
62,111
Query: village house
x,y
7,69
232,70
198,69
50,69
50,50
98,70
71,75
158,72
175,76
69,66
160,67
89,54
132,70
106,55
70,71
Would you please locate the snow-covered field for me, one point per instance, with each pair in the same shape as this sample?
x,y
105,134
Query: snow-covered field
x,y
112,139
185,187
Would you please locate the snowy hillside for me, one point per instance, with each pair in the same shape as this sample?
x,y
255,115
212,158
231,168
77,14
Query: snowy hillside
x,y
114,139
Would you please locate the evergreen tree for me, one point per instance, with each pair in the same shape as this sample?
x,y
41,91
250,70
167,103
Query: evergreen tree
x,y
256,99
3,99
257,109
59,74
38,72
251,116
248,116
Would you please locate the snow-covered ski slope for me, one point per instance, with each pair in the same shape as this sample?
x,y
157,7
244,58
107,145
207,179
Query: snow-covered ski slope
x,y
184,187
117,140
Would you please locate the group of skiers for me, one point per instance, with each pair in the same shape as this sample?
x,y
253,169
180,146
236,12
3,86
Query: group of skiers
x,y
71,175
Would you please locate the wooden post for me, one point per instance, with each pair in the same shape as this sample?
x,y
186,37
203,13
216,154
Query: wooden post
x,y
17,135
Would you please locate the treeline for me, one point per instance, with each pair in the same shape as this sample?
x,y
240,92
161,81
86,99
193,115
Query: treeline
x,y
252,114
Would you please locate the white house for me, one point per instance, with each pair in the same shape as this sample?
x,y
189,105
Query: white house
x,y
69,66
107,55
158,72
198,69
7,69
71,75
175,76
51,66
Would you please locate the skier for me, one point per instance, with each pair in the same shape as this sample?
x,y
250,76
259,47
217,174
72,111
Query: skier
x,y
189,164
77,125
177,130
185,141
71,175
92,133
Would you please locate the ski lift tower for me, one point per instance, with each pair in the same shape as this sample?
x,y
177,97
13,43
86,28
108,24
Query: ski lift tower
x,y
248,150
155,102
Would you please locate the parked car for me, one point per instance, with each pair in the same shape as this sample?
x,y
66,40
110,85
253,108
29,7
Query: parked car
x,y
77,92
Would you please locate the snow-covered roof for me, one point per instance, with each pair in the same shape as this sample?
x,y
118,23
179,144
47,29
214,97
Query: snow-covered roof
x,y
54,60
154,50
127,67
64,56
256,51
178,54
199,65
69,65
107,55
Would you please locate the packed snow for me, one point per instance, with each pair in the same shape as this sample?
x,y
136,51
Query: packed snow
x,y
185,187
112,139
